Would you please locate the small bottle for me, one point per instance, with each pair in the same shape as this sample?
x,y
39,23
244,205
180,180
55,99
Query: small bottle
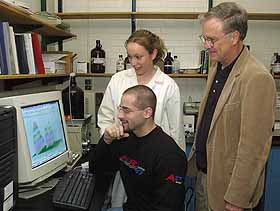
x,y
276,65
97,58
168,62
73,100
127,64
204,62
120,63
273,60
176,65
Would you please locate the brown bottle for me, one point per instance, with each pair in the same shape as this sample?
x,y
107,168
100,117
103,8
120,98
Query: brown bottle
x,y
73,100
97,59
168,63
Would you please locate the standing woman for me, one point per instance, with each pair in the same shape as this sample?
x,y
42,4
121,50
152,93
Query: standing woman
x,y
145,51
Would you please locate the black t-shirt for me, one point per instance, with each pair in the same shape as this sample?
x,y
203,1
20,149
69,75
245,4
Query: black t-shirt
x,y
152,168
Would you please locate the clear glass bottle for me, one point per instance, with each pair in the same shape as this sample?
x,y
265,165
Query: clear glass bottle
x,y
120,64
73,100
273,60
127,64
168,63
176,65
97,58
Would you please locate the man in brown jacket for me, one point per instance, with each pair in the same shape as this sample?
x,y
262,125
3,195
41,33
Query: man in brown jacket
x,y
236,115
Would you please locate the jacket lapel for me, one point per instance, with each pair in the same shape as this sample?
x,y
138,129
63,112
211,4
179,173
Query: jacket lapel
x,y
235,72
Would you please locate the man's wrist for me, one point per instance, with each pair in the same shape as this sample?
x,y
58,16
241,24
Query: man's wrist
x,y
107,141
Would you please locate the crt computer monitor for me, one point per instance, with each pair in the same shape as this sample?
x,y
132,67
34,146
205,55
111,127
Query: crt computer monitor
x,y
42,137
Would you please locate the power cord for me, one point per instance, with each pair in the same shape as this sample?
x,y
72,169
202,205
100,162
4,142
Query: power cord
x,y
76,139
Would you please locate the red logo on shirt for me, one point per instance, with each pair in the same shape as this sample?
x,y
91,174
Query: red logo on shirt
x,y
174,179
132,164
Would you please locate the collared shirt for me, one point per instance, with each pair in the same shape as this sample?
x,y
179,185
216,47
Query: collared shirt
x,y
213,97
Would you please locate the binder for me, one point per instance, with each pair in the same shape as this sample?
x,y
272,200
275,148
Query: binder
x,y
29,53
14,58
3,49
21,53
37,54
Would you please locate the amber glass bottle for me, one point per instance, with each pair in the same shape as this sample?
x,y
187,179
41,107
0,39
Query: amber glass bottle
x,y
97,58
168,63
73,100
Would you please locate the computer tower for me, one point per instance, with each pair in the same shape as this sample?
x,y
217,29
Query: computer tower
x,y
8,158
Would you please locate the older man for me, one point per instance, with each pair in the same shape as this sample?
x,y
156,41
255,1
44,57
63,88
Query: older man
x,y
236,116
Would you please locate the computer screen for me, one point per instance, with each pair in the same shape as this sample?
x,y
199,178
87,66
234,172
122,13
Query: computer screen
x,y
44,132
42,138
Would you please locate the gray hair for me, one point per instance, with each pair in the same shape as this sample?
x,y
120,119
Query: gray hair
x,y
234,17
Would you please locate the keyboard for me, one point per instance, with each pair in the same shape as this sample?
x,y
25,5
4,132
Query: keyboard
x,y
75,190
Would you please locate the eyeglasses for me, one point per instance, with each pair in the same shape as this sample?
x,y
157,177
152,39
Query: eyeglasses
x,y
211,41
127,110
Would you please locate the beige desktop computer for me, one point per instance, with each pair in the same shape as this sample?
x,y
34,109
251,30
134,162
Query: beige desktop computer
x,y
78,134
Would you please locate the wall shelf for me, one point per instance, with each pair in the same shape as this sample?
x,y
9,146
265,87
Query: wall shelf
x,y
154,15
10,81
65,75
127,15
34,76
264,16
23,20
174,75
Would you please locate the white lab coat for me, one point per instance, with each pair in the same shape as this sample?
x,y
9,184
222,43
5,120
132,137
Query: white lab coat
x,y
168,109
168,113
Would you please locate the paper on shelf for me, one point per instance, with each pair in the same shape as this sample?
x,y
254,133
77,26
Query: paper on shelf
x,y
53,64
51,57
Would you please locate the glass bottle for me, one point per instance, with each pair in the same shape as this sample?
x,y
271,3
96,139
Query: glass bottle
x,y
168,62
127,64
276,65
272,62
120,63
204,58
176,65
97,59
73,100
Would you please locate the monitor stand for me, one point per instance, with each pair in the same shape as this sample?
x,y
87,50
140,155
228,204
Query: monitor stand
x,y
29,192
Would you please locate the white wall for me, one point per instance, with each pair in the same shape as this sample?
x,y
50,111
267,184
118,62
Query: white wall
x,y
180,36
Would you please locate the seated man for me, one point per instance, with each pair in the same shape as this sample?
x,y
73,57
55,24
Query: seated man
x,y
151,164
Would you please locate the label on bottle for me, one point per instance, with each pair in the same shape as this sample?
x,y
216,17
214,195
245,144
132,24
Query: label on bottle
x,y
168,68
120,66
128,66
98,60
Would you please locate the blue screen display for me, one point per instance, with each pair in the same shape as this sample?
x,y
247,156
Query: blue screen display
x,y
44,132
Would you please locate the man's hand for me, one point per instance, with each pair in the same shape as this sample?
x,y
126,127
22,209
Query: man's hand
x,y
231,207
115,131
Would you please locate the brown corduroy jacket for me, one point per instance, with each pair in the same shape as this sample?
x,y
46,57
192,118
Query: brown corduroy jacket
x,y
240,134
